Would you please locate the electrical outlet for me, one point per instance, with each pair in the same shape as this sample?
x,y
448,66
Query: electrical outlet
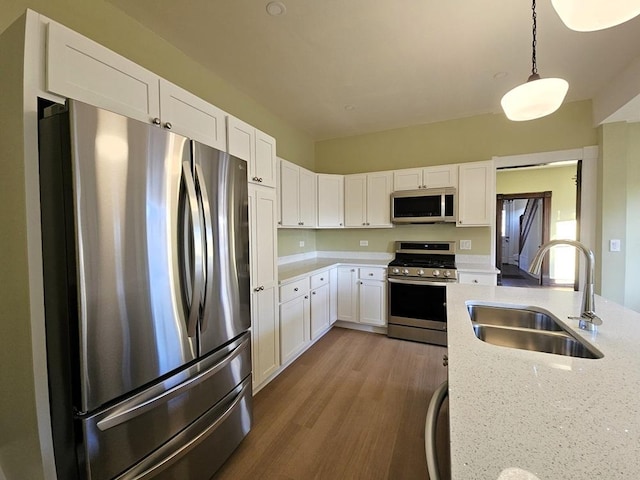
x,y
614,245
465,244
364,243
302,243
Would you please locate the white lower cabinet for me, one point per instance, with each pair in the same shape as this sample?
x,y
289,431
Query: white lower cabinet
x,y
319,310
264,327
294,326
362,295
333,295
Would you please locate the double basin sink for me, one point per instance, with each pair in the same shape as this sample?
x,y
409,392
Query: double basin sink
x,y
527,328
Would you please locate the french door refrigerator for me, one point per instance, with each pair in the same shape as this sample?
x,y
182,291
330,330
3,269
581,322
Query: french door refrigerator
x,y
146,276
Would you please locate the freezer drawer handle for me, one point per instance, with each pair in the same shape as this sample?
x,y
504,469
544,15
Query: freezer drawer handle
x,y
194,307
157,466
138,408
208,229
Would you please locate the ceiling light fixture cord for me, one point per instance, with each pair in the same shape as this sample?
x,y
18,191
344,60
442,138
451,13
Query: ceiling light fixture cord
x,y
534,66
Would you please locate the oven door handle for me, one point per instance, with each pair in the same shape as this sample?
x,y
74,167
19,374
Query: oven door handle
x,y
419,282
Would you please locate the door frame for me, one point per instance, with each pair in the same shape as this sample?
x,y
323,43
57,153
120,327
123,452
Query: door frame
x,y
546,223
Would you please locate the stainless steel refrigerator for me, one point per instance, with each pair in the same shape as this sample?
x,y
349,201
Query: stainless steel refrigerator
x,y
146,276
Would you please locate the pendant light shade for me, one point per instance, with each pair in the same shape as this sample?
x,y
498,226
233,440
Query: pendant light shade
x,y
539,96
535,99
590,15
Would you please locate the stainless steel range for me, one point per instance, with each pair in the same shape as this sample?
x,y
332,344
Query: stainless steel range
x,y
417,278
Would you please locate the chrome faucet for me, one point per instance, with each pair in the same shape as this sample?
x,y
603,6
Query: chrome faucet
x,y
588,318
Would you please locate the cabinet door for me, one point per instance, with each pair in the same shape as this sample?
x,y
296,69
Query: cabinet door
x,y
379,187
355,200
319,311
263,236
82,69
476,194
265,160
266,334
307,198
372,300
441,176
188,115
407,179
347,294
333,295
330,200
294,328
289,194
241,142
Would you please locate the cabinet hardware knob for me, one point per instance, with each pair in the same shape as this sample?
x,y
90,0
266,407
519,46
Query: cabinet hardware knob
x,y
360,283
295,289
261,287
340,224
363,223
156,121
475,281
371,274
445,360
306,297
353,270
260,180
321,279
279,223
168,126
313,293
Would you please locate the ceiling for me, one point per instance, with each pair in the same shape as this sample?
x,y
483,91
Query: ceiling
x,y
344,67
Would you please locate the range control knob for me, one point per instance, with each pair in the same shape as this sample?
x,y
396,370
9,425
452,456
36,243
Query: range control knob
x,y
447,273
395,271
420,272
405,271
436,273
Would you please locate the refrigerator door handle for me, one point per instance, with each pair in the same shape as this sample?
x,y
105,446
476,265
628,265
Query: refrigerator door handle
x,y
139,406
152,466
208,228
196,293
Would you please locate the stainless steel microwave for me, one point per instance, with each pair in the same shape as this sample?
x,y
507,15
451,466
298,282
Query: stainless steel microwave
x,y
431,205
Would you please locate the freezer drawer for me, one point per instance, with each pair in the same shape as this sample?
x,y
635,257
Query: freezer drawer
x,y
202,448
119,437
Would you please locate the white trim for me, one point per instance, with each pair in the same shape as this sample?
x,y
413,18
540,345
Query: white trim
x,y
589,157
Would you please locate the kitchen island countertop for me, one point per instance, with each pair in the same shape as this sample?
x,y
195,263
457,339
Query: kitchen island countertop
x,y
554,416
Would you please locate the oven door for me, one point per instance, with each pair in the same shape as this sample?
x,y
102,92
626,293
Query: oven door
x,y
418,303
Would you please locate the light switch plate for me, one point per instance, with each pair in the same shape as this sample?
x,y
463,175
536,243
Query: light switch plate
x,y
364,243
302,243
614,245
465,244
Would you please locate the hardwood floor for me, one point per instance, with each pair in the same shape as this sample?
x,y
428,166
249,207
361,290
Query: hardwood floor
x,y
353,406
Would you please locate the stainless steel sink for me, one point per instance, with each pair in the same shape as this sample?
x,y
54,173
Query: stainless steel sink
x,y
513,317
527,328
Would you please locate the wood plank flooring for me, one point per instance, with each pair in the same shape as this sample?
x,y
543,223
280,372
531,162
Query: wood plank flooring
x,y
352,407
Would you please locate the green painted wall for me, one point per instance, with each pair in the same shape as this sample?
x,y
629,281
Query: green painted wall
x,y
457,141
19,445
289,241
106,24
618,217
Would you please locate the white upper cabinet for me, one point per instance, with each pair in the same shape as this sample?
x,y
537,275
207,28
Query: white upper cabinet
x,y
367,199
297,196
330,201
476,194
428,177
254,146
84,70
188,115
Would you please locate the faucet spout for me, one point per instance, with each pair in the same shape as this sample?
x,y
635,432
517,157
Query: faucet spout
x,y
588,318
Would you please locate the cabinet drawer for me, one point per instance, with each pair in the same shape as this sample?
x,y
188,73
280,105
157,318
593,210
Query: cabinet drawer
x,y
319,279
294,289
368,273
477,278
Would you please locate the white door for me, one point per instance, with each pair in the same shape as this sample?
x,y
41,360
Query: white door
x,y
330,200
265,160
355,200
476,194
407,179
241,142
319,310
333,295
441,176
379,188
289,194
307,198
293,334
266,334
372,300
347,294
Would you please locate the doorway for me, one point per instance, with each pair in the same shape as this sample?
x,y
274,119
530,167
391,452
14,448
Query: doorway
x,y
524,223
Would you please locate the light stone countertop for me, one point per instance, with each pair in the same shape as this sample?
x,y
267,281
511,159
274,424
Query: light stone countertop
x,y
554,416
476,268
295,270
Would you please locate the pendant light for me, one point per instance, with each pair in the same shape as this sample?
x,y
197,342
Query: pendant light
x,y
591,15
537,97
